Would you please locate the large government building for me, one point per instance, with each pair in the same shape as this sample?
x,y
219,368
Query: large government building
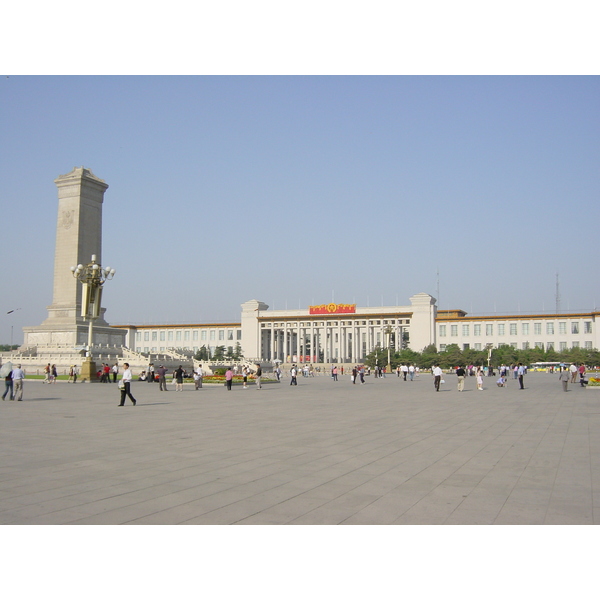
x,y
347,333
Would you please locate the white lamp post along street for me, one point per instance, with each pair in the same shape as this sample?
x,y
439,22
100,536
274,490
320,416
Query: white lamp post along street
x,y
92,277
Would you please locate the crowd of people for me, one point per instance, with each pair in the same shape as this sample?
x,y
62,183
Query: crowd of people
x,y
14,377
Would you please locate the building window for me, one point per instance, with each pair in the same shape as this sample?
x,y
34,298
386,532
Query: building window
x,y
442,331
477,346
524,328
442,347
562,328
162,336
230,334
239,334
146,336
186,336
501,328
146,349
195,335
154,336
575,327
178,336
575,345
465,330
588,345
170,336
550,346
525,345
513,345
539,345
587,327
453,330
513,329
212,334
221,334
489,329
138,336
203,335
537,329
465,346
476,329
562,345
550,328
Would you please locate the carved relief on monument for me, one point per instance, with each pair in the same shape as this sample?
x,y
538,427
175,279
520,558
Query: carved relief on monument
x,y
67,218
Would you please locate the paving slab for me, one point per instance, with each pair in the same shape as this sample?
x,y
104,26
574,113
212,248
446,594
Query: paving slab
x,y
323,452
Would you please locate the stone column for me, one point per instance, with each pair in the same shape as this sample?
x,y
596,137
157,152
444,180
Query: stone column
x,y
78,237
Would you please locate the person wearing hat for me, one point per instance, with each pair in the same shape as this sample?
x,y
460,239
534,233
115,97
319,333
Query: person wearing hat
x,y
162,380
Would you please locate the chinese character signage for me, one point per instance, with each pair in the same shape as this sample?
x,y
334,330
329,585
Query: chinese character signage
x,y
332,309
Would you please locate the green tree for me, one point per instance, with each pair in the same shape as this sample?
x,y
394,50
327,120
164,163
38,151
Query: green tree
x,y
202,354
219,353
429,357
451,357
237,352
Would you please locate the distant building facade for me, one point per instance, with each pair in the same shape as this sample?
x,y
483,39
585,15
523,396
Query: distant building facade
x,y
346,333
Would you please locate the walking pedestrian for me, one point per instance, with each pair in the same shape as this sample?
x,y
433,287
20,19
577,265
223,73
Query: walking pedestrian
x,y
294,375
18,375
178,379
573,371
8,383
437,377
480,375
228,378
126,385
258,376
162,378
520,374
460,374
564,378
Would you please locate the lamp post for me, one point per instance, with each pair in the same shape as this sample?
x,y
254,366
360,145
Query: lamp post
x,y
388,331
92,277
489,348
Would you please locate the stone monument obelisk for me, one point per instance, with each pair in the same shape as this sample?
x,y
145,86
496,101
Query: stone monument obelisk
x,y
78,237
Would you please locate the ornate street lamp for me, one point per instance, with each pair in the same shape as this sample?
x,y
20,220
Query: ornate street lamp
x,y
92,277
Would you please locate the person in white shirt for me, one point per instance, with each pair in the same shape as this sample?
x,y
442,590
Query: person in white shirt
x,y
126,381
573,369
18,376
199,376
404,369
437,377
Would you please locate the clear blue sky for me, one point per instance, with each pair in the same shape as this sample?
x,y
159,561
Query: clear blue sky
x,y
297,190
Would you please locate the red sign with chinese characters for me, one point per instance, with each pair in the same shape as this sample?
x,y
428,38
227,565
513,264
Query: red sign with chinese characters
x,y
332,309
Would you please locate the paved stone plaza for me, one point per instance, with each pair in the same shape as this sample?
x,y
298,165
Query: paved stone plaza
x,y
324,452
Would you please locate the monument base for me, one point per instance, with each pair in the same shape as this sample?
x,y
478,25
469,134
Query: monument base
x,y
88,370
